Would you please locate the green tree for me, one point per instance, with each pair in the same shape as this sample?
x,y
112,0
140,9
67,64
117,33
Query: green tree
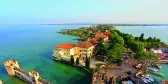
x,y
87,62
115,54
141,38
128,39
115,38
118,32
137,46
119,40
136,38
100,50
72,59
77,61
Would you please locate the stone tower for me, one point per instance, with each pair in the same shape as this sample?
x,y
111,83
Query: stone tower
x,y
10,65
36,76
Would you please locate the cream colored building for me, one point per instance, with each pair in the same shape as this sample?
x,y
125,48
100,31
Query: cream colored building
x,y
80,50
64,51
85,49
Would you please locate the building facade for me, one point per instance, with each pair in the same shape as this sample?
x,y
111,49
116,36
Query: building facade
x,y
80,50
64,51
85,49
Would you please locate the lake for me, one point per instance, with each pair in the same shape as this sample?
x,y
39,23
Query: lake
x,y
31,46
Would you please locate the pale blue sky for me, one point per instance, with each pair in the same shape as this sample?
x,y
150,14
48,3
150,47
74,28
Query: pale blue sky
x,y
83,11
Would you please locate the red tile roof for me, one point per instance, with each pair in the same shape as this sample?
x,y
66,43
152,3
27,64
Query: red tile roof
x,y
93,40
106,33
99,34
85,44
66,46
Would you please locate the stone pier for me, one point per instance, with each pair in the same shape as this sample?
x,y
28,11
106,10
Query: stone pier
x,y
33,77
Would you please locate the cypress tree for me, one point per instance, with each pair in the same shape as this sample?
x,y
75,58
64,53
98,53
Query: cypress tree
x,y
77,61
72,59
87,62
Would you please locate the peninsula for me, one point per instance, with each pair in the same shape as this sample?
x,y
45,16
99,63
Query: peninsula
x,y
109,53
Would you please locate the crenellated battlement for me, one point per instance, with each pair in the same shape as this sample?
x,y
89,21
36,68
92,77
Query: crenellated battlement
x,y
13,69
10,65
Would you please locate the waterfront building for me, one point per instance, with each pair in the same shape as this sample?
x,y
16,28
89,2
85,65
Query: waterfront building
x,y
81,50
64,51
84,49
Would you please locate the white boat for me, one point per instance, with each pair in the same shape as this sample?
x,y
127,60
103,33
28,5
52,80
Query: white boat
x,y
152,69
130,82
156,72
144,80
158,65
149,78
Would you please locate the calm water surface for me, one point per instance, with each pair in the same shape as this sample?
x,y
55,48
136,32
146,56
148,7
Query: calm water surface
x,y
31,46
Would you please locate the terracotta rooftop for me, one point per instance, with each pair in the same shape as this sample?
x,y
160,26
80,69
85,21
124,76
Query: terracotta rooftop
x,y
106,33
99,34
85,44
66,46
93,40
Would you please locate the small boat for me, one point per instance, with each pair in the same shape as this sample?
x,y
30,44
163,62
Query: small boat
x,y
149,81
144,80
130,82
152,69
158,66
156,72
149,78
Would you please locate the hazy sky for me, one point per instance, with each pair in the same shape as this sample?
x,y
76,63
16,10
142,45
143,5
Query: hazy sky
x,y
83,11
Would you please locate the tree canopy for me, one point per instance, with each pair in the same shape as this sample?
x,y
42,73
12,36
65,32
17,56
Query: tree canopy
x,y
115,54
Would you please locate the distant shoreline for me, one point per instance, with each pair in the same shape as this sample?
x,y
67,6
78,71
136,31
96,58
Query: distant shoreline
x,y
113,24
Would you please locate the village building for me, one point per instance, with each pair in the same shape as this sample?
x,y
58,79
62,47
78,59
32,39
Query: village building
x,y
104,35
84,49
64,51
80,50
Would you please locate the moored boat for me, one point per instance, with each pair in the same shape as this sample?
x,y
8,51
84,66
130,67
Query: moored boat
x,y
130,82
158,66
151,79
152,69
145,81
155,71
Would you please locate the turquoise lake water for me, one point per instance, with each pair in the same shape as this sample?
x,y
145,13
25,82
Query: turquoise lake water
x,y
31,46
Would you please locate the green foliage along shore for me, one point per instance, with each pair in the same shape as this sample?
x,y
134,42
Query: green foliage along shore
x,y
86,32
118,43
